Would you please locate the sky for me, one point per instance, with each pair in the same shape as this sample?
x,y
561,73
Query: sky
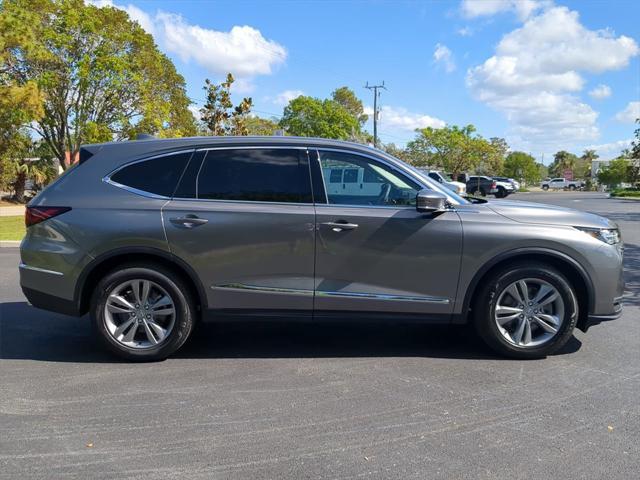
x,y
544,75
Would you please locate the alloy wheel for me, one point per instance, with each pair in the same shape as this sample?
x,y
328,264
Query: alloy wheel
x,y
529,312
139,314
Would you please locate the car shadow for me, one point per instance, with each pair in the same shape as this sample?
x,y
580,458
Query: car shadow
x,y
27,333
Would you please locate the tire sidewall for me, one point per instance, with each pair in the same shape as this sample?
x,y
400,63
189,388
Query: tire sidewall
x,y
486,305
184,318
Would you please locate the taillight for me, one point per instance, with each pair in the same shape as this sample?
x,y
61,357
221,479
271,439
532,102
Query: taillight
x,y
33,215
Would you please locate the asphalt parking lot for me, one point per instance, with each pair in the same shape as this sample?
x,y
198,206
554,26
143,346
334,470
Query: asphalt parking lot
x,y
322,401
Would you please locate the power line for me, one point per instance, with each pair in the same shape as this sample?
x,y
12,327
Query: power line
x,y
376,94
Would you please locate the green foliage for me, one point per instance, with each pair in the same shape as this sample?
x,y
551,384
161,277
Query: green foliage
x,y
521,165
456,149
261,126
98,74
614,173
311,117
219,115
347,98
562,161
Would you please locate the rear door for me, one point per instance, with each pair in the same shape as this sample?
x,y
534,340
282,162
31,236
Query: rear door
x,y
243,218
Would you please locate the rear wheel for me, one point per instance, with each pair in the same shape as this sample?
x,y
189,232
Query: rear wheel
x,y
501,193
527,310
545,187
483,192
142,312
572,187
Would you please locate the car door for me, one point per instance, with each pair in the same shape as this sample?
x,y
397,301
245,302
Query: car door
x,y
376,253
243,219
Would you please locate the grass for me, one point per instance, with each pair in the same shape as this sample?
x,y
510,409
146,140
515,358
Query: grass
x,y
12,228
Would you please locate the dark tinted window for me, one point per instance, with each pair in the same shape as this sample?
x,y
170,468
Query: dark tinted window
x,y
187,186
260,175
336,176
350,176
157,175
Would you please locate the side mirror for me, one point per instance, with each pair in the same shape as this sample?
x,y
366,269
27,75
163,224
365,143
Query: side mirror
x,y
430,201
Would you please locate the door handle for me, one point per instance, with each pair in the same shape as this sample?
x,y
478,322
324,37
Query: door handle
x,y
340,226
188,221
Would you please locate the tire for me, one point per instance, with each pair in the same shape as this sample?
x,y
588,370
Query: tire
x,y
542,341
501,193
483,193
572,187
545,187
140,347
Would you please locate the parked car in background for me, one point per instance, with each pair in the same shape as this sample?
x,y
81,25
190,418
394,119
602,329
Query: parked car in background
x,y
504,187
150,237
480,185
515,183
444,179
562,184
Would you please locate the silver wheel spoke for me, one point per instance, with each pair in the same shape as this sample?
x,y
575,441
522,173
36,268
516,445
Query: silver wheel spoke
x,y
135,287
524,290
123,326
149,333
547,322
526,338
543,292
513,291
162,302
130,334
549,299
164,311
117,309
157,329
146,286
517,335
121,301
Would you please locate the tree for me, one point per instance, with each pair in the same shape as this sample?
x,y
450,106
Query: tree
x,y
562,161
347,98
311,117
453,149
218,113
521,165
583,164
614,173
99,75
261,126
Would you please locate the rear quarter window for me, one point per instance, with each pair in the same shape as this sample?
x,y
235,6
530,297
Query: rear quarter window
x,y
158,176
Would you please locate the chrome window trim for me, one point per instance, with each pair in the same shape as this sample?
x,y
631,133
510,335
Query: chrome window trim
x,y
143,193
321,293
24,266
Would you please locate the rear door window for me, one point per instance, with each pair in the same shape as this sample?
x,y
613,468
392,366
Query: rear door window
x,y
255,175
157,176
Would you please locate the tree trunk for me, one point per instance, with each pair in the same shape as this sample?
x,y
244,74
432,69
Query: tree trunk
x,y
19,185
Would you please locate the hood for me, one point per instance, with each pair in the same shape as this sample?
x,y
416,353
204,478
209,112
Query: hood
x,y
457,184
528,212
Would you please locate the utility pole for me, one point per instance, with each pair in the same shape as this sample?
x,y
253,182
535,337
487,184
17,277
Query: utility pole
x,y
376,94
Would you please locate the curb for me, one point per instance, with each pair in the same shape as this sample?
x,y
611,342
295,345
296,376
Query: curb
x,y
9,243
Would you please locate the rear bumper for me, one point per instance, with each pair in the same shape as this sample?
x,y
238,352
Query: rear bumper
x,y
50,302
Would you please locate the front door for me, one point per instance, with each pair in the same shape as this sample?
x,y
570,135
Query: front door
x,y
375,252
243,219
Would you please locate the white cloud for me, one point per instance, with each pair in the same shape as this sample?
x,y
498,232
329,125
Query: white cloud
x,y
283,98
399,118
443,55
535,73
243,50
610,150
484,8
600,92
630,113
465,31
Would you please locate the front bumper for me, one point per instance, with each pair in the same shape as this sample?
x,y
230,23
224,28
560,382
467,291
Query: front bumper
x,y
596,319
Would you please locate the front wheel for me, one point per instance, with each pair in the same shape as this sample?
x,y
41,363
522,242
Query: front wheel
x,y
501,193
142,312
527,310
545,187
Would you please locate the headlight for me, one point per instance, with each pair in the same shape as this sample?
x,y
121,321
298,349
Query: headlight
x,y
610,236
461,190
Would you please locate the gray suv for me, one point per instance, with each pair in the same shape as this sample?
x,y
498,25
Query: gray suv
x,y
152,236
